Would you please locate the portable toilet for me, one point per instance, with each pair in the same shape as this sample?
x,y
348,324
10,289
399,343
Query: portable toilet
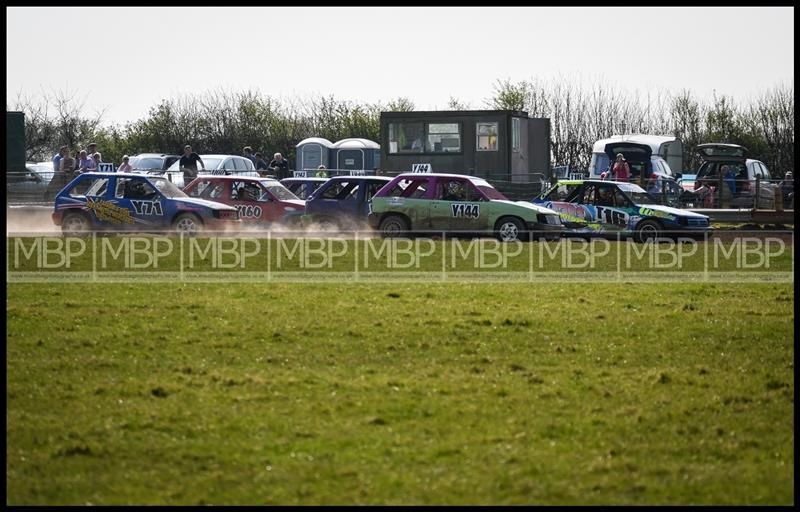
x,y
355,154
313,152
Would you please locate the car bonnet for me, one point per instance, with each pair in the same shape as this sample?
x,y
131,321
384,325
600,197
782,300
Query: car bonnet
x,y
528,206
673,211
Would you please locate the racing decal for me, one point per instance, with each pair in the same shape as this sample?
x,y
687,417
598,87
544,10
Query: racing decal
x,y
647,212
469,211
611,216
106,211
147,207
571,212
248,211
396,201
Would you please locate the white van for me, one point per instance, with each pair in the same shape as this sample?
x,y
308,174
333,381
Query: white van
x,y
655,154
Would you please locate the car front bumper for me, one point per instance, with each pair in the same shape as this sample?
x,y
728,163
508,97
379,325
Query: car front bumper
x,y
545,231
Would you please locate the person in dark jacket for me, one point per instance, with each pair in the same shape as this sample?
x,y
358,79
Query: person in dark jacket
x,y
279,166
188,164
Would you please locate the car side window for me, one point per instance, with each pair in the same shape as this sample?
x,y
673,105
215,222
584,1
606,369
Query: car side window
x,y
764,172
229,165
198,188
587,197
340,190
134,188
413,188
91,187
620,200
372,189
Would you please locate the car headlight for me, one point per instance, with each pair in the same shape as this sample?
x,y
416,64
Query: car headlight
x,y
548,218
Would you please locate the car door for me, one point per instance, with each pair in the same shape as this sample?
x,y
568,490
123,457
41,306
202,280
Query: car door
x,y
572,209
457,206
254,203
141,199
611,207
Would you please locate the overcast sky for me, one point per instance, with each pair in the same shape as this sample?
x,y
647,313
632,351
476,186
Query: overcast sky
x,y
126,59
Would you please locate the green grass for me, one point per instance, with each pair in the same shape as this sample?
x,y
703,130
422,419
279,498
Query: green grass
x,y
608,393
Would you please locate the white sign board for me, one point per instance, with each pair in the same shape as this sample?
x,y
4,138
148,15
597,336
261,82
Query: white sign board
x,y
357,173
418,168
300,174
105,167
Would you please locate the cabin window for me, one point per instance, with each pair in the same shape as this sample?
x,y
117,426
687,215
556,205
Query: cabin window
x,y
515,135
487,136
410,138
406,137
443,138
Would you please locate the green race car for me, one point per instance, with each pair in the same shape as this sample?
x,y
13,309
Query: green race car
x,y
457,204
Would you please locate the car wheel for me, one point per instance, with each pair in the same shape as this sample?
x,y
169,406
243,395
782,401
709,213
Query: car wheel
x,y
187,224
509,229
393,226
75,224
648,230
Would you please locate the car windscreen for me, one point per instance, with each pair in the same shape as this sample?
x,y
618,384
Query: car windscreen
x,y
145,164
167,188
280,192
488,190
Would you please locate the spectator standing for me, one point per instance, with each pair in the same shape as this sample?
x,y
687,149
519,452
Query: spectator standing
x,y
261,164
62,152
91,149
97,159
248,153
729,177
621,171
188,164
85,163
125,166
61,174
322,172
279,166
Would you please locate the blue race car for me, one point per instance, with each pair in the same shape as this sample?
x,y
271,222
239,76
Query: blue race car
x,y
342,201
611,207
103,201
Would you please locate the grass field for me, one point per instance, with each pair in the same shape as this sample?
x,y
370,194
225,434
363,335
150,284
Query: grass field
x,y
609,393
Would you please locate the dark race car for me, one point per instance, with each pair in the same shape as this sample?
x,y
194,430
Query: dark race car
x,y
611,207
343,201
98,201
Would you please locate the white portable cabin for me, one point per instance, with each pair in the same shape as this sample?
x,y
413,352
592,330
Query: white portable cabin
x,y
665,151
355,154
313,152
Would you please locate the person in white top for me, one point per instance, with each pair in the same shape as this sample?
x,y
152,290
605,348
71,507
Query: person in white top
x,y
125,167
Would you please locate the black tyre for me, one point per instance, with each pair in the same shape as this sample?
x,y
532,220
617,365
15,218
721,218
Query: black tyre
x,y
510,229
75,224
393,226
648,230
187,224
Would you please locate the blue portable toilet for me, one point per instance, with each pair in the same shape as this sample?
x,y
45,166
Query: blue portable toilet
x,y
355,154
313,152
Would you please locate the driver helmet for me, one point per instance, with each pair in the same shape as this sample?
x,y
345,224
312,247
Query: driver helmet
x,y
454,188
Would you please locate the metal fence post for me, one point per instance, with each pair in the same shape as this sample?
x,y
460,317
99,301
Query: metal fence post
x,y
778,193
758,189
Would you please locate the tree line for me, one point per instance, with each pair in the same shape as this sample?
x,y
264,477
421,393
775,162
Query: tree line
x,y
222,121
